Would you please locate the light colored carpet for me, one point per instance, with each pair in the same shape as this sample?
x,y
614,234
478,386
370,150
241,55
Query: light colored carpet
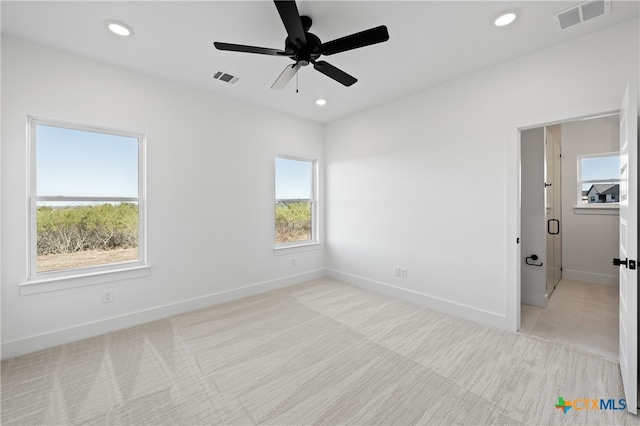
x,y
321,352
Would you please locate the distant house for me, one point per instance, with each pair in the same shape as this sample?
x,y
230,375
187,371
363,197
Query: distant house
x,y
604,193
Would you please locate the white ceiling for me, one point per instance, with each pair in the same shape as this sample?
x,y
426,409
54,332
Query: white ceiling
x,y
430,42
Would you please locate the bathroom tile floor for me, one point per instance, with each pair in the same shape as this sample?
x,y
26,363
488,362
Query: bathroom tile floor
x,y
579,314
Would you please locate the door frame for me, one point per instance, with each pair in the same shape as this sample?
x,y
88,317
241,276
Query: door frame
x,y
513,251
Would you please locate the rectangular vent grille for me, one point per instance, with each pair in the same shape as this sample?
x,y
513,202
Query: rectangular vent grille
x,y
581,12
592,9
569,18
227,78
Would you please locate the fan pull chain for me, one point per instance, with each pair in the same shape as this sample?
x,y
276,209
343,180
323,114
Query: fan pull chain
x,y
297,74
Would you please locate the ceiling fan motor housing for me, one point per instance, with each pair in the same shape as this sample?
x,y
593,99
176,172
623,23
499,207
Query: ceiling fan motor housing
x,y
305,53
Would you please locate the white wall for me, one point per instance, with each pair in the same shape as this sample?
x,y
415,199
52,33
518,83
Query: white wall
x,y
407,181
589,240
210,202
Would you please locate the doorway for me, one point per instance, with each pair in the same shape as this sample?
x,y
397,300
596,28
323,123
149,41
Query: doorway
x,y
569,292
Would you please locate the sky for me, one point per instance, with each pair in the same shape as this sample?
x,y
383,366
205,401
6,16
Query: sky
x,y
80,163
293,178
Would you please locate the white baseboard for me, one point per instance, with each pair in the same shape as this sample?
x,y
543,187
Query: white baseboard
x,y
590,277
442,305
59,337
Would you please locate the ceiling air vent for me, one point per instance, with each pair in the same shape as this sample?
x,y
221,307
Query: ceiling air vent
x,y
227,78
581,12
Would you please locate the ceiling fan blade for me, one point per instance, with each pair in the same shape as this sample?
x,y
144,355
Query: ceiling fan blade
x,y
286,76
335,73
249,49
291,19
354,41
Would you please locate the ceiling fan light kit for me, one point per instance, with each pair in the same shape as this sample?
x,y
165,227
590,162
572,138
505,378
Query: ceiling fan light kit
x,y
305,48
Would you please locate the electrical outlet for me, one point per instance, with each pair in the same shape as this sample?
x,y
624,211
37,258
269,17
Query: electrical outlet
x,y
107,296
400,272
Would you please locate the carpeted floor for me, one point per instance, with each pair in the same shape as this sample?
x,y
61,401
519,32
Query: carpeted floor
x,y
321,352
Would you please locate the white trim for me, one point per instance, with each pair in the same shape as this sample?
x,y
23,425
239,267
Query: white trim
x,y
296,248
580,182
590,277
32,247
89,277
58,337
84,127
142,199
447,306
514,128
87,199
611,209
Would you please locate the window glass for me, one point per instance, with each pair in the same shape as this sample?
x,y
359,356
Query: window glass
x,y
294,203
86,199
81,163
598,180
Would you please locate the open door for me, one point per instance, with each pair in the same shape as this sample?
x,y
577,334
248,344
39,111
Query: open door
x,y
629,248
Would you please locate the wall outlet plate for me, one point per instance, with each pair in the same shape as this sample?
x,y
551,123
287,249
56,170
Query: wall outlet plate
x,y
107,296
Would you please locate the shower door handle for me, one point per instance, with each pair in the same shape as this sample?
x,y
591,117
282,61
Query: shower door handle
x,y
557,226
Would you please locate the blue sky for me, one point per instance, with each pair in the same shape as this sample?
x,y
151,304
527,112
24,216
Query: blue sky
x,y
293,178
80,163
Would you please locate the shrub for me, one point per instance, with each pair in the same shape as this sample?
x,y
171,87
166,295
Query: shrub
x,y
293,222
72,229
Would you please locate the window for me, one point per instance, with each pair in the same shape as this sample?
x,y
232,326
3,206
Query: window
x,y
87,199
295,207
598,179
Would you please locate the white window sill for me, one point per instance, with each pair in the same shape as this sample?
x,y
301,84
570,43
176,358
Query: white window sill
x,y
296,248
43,285
603,209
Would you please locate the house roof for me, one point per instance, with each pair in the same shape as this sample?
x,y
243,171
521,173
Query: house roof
x,y
605,188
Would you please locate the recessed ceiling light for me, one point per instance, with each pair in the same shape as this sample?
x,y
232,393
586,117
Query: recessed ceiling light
x,y
505,18
119,28
321,102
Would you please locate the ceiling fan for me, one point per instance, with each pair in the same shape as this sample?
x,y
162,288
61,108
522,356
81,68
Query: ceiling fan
x,y
305,48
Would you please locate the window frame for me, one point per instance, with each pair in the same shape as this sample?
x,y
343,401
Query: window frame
x,y
580,182
86,271
313,201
